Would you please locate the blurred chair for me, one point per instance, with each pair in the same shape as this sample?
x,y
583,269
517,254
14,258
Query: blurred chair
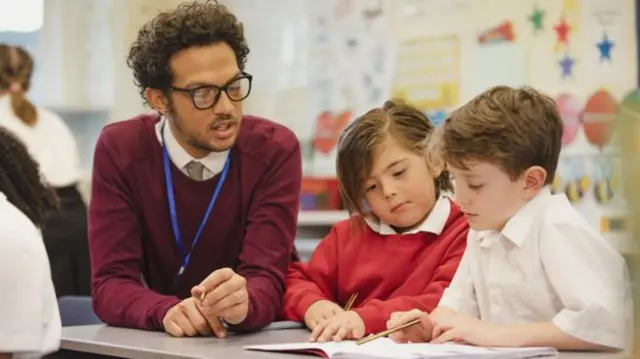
x,y
77,310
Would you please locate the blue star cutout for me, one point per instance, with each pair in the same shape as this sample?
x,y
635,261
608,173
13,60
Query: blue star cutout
x,y
567,65
605,46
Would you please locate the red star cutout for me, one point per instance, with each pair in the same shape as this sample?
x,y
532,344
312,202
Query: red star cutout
x,y
562,29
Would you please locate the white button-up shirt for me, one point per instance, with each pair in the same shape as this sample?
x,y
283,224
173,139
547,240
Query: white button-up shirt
x,y
547,264
213,162
49,142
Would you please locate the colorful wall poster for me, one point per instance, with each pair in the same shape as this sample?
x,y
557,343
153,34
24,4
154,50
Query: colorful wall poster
x,y
428,72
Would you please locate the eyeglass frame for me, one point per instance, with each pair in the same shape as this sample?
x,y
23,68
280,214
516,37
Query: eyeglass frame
x,y
191,91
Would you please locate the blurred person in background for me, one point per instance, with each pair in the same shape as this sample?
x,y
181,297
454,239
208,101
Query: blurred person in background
x,y
52,145
30,321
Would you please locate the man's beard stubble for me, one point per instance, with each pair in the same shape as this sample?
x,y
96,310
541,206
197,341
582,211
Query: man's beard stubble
x,y
191,140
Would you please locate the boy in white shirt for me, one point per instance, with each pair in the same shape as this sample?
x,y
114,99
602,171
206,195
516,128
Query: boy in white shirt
x,y
534,272
29,317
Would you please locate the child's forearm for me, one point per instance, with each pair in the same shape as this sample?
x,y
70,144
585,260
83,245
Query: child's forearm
x,y
545,334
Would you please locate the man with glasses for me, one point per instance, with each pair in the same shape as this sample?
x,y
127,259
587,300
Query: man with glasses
x,y
193,209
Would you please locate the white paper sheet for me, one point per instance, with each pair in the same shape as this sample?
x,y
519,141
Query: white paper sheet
x,y
384,348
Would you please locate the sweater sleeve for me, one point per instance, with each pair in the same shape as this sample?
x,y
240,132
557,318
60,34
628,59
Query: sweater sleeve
x,y
268,242
310,282
375,313
115,246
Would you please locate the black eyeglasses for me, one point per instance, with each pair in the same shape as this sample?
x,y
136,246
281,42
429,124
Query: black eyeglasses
x,y
205,97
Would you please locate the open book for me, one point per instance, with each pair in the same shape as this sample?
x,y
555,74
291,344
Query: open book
x,y
385,348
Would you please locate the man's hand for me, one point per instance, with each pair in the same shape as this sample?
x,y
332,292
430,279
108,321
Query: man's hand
x,y
419,333
223,294
321,311
346,325
185,319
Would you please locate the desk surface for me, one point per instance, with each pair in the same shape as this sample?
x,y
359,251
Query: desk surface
x,y
130,343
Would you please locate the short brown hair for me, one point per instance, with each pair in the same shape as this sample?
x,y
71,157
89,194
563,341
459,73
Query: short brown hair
x,y
191,24
356,145
511,128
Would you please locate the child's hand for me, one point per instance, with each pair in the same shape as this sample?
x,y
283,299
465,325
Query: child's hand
x,y
419,333
319,312
469,330
346,325
442,318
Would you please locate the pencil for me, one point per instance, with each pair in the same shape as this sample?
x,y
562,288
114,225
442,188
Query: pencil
x,y
387,332
350,302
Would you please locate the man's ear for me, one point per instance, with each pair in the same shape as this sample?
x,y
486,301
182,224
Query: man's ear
x,y
534,179
157,99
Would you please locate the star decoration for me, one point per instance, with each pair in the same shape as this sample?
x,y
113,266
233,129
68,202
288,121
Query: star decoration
x,y
567,66
571,5
572,9
605,45
536,19
562,30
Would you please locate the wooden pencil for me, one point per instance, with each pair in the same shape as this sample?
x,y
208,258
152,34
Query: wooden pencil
x,y
350,302
387,332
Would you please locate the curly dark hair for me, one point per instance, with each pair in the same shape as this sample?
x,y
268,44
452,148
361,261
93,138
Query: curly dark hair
x,y
20,180
191,24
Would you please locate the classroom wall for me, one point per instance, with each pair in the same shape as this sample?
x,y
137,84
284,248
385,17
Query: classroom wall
x,y
438,54
319,64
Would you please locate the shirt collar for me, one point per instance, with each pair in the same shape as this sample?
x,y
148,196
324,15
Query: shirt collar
x,y
519,225
434,223
213,162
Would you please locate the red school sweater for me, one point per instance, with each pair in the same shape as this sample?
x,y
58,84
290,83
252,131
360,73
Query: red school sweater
x,y
390,273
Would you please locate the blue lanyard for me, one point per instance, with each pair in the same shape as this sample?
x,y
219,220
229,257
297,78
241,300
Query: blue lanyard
x,y
186,256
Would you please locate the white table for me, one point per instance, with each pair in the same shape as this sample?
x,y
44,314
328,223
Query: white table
x,y
131,343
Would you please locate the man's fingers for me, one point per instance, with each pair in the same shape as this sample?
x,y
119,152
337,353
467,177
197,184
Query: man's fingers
x,y
185,324
234,314
213,280
216,325
222,290
229,301
173,329
198,320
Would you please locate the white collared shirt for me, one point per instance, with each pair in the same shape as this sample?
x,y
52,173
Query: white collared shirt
x,y
213,163
29,319
547,264
434,223
49,142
